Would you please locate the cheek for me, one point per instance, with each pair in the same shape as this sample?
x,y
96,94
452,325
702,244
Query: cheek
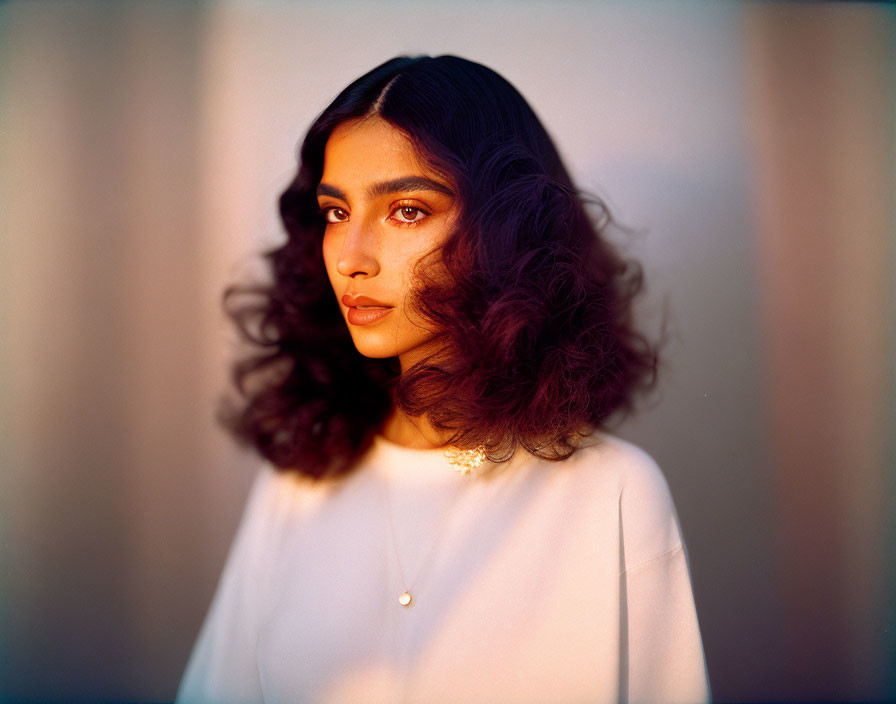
x,y
330,252
415,260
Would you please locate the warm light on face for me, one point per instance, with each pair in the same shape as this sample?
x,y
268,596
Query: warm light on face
x,y
384,210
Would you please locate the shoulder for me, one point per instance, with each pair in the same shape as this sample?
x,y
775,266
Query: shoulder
x,y
278,500
610,460
647,518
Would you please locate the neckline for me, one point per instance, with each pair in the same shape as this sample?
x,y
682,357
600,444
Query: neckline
x,y
429,465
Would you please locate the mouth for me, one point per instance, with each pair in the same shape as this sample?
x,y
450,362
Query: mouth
x,y
363,310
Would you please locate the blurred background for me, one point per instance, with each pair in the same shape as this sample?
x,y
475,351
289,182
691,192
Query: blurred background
x,y
750,146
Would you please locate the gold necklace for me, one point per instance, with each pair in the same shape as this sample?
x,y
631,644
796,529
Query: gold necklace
x,y
465,462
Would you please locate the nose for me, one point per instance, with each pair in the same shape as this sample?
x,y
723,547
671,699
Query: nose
x,y
358,255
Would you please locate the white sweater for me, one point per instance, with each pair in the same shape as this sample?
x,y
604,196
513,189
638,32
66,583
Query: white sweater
x,y
532,581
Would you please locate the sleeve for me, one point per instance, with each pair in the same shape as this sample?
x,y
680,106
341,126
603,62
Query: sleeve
x,y
222,666
665,653
662,652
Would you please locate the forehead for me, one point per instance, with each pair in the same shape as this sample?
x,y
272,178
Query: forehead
x,y
370,148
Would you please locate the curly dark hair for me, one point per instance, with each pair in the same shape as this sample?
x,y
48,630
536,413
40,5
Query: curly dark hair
x,y
535,313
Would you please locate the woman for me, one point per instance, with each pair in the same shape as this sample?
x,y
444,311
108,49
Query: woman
x,y
441,517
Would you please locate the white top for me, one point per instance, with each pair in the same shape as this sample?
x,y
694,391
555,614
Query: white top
x,y
532,581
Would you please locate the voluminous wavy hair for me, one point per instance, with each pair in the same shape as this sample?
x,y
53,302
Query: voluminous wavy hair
x,y
535,312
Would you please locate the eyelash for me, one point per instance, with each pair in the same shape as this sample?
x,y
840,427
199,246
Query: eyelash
x,y
410,207
402,223
325,213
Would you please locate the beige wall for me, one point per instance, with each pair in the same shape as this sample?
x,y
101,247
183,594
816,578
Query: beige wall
x,y
142,147
823,123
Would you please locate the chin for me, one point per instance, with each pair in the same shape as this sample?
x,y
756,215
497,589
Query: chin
x,y
375,351
375,346
378,346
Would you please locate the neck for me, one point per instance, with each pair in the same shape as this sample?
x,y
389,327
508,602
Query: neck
x,y
416,432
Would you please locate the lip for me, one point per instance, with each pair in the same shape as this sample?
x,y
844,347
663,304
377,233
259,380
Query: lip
x,y
368,315
352,301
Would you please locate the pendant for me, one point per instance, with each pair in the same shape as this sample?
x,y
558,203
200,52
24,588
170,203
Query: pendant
x,y
465,461
405,599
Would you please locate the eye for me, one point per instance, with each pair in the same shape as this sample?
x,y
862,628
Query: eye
x,y
334,214
408,214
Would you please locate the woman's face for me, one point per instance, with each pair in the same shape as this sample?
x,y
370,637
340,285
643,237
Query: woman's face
x,y
383,210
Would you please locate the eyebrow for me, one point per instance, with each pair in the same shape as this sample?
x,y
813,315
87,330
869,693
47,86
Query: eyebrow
x,y
395,185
